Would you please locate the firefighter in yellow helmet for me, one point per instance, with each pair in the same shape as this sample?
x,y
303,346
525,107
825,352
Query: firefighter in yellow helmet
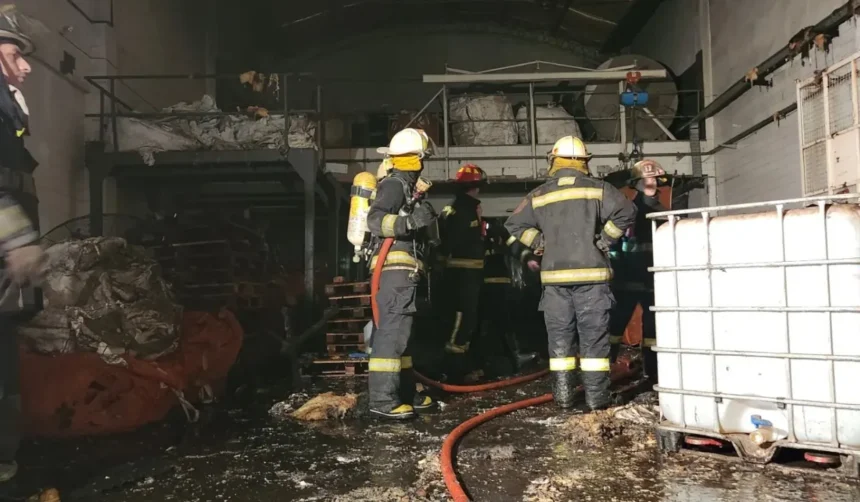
x,y
391,380
568,210
633,283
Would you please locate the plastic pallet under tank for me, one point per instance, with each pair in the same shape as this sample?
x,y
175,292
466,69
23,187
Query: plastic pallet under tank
x,y
672,439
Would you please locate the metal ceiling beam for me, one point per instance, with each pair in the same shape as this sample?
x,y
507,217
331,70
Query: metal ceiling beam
x,y
630,25
583,76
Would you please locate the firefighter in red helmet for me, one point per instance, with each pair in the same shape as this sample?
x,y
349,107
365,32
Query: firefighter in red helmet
x,y
463,248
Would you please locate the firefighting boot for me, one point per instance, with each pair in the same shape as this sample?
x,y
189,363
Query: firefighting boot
x,y
596,383
564,388
398,412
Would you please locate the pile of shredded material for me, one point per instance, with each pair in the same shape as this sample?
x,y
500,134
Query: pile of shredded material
x,y
104,296
239,131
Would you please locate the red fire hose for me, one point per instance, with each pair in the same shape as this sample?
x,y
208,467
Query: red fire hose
x,y
619,372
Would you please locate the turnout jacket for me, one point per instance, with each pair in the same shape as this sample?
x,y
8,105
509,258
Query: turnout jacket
x,y
572,211
638,252
462,234
384,221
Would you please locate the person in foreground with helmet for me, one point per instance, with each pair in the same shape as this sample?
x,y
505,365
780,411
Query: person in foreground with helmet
x,y
462,232
392,381
633,282
568,210
18,232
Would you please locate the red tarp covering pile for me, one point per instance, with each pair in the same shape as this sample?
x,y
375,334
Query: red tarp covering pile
x,y
80,394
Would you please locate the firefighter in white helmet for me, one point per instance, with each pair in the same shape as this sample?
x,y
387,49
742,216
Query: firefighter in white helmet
x,y
391,379
23,258
633,283
575,270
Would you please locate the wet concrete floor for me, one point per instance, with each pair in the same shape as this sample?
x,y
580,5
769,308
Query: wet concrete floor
x,y
242,454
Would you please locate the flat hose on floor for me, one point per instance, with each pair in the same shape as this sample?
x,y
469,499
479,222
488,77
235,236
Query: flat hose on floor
x,y
459,389
619,371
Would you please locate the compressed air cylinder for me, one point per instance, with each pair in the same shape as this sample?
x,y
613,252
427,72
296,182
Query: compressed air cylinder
x,y
363,188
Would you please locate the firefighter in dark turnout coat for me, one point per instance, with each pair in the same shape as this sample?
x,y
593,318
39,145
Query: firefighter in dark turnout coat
x,y
463,234
579,217
23,260
391,380
633,283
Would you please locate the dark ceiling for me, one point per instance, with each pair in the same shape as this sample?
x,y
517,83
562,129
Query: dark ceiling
x,y
604,26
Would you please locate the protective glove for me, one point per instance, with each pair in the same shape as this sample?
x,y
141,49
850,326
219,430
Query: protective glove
x,y
603,245
422,216
26,264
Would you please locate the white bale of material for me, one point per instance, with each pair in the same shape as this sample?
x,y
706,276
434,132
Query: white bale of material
x,y
469,113
560,124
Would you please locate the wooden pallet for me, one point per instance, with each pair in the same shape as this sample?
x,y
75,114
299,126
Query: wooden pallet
x,y
347,288
350,301
360,313
347,325
344,338
345,348
340,368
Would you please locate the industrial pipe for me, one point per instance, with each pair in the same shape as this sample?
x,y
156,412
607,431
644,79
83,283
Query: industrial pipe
x,y
774,62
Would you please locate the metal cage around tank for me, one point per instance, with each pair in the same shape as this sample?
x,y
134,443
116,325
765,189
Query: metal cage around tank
x,y
788,402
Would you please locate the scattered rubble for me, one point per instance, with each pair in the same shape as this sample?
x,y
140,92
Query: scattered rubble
x,y
630,425
326,406
282,409
371,494
429,486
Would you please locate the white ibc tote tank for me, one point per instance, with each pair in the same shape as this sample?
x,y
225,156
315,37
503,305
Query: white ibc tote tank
x,y
759,314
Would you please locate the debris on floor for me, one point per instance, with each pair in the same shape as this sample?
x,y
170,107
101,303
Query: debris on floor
x,y
429,485
326,406
606,427
373,494
283,409
49,495
643,414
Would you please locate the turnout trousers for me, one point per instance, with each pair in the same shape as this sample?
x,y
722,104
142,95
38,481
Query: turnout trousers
x,y
463,289
391,380
577,322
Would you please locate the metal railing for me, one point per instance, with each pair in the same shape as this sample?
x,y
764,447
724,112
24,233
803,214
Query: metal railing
x,y
789,401
434,114
110,103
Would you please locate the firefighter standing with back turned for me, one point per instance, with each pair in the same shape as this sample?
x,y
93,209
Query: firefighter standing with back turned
x,y
391,380
18,227
580,217
633,281
462,233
